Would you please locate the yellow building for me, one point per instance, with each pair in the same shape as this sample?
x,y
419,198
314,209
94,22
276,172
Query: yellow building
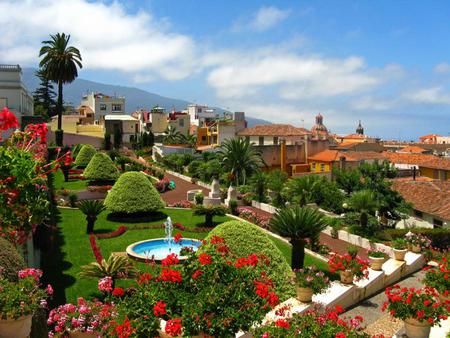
x,y
324,161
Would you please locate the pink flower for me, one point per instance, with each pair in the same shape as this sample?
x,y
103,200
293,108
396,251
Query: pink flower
x,y
49,290
35,273
105,284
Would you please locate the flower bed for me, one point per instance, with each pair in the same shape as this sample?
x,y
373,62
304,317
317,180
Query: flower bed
x,y
439,278
116,233
182,204
251,216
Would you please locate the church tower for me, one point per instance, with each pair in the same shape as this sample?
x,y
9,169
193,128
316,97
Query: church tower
x,y
360,129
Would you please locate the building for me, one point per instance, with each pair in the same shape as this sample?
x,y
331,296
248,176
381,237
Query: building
x,y
271,134
102,105
126,124
430,200
411,149
434,139
14,94
216,132
155,120
319,129
358,137
325,161
180,121
200,114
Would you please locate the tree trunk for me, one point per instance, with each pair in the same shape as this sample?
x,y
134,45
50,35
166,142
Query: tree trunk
x,y
59,108
90,224
209,221
298,253
363,219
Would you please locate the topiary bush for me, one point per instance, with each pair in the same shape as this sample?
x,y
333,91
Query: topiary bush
x,y
133,193
85,155
245,238
101,168
11,262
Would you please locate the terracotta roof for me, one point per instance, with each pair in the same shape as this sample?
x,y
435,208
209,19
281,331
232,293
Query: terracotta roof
x,y
432,197
422,160
437,163
412,149
352,156
274,130
354,136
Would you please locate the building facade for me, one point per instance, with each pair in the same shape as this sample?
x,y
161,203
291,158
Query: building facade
x,y
200,114
126,124
102,105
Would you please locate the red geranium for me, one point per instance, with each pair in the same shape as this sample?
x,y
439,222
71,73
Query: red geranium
x,y
204,259
169,275
159,309
177,238
197,274
8,120
282,323
118,292
173,327
171,259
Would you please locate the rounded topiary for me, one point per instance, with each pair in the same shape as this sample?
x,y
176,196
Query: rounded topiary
x,y
11,262
101,168
244,238
85,155
133,193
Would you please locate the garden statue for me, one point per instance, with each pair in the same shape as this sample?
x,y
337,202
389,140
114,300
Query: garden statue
x,y
215,189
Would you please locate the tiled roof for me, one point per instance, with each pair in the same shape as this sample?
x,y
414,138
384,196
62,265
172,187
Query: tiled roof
x,y
351,156
422,160
274,130
412,149
355,136
432,197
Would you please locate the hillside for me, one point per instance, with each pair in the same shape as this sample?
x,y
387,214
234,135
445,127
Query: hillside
x,y
135,97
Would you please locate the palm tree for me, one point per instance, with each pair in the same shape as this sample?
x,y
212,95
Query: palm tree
x,y
189,139
300,190
173,136
91,208
240,157
115,267
299,224
60,62
259,184
363,201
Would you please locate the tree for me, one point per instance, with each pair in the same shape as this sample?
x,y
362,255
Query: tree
x,y
300,190
259,185
117,138
44,95
59,63
101,169
151,139
275,182
85,155
91,208
173,136
364,202
299,224
240,158
107,142
209,212
190,140
348,180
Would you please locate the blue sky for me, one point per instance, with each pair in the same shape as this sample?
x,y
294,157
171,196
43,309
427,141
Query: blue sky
x,y
384,62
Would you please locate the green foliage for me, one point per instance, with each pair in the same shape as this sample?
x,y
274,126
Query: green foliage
x,y
276,180
101,168
300,190
115,267
440,238
259,184
209,212
117,138
299,224
199,198
11,262
173,136
364,202
107,141
399,244
327,194
133,193
348,180
44,95
245,238
85,155
91,208
240,158
233,205
73,198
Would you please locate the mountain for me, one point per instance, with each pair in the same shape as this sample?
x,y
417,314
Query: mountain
x,y
135,97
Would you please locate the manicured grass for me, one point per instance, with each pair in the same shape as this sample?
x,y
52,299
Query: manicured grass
x,y
76,251
75,185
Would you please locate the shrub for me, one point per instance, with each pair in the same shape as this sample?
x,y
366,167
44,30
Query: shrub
x,y
101,168
85,155
440,238
10,260
133,193
209,212
73,198
233,205
199,198
245,238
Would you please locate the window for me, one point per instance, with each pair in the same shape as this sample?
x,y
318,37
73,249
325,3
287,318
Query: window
x,y
275,140
102,106
313,166
203,138
181,122
116,107
437,223
261,140
322,167
3,102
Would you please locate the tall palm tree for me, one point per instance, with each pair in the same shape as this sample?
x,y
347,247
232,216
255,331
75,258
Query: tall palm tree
x,y
240,157
60,62
300,190
173,136
299,224
364,202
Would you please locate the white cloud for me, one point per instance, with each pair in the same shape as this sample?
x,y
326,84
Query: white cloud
x,y
264,19
107,36
442,68
368,103
432,95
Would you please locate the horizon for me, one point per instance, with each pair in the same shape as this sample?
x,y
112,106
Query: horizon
x,y
352,61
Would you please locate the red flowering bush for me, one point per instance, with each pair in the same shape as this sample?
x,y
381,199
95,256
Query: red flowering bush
x,y
214,292
182,204
251,216
162,185
420,304
86,316
312,324
116,233
439,278
359,267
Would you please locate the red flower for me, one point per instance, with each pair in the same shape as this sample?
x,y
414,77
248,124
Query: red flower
x,y
8,120
159,309
204,259
173,327
217,240
252,259
171,259
169,275
282,323
339,309
177,238
241,262
262,289
272,299
197,274
144,278
125,330
118,292
340,335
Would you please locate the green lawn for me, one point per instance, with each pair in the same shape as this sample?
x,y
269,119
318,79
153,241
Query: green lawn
x,y
75,185
75,249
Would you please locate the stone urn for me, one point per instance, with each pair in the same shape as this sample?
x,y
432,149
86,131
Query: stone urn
x,y
416,248
304,295
346,277
416,329
77,334
376,263
15,328
399,254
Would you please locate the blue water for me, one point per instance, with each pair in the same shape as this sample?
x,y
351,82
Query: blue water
x,y
159,249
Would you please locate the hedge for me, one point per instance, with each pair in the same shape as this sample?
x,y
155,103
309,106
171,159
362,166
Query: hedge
x,y
133,193
244,239
101,168
85,155
10,260
440,238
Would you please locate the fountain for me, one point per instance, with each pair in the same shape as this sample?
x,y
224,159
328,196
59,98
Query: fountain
x,y
158,248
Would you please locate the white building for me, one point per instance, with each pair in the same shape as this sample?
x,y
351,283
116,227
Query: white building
x,y
102,105
200,114
13,93
126,124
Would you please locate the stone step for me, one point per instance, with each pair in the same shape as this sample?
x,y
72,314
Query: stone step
x,y
371,285
336,294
